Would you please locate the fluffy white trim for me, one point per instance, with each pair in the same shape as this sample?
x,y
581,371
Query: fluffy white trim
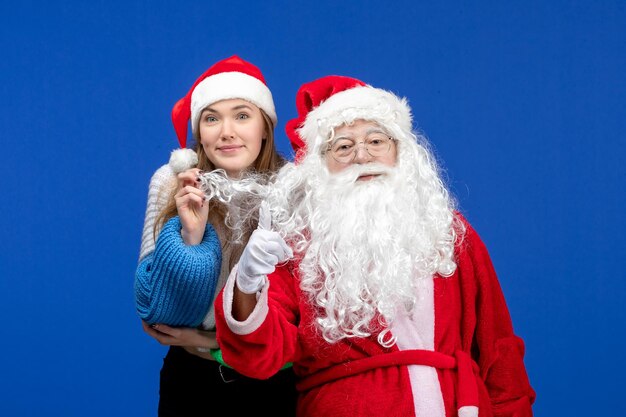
x,y
230,85
364,102
468,411
258,315
183,159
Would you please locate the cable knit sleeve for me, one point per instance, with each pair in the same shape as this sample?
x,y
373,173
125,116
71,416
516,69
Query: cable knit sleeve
x,y
162,183
175,284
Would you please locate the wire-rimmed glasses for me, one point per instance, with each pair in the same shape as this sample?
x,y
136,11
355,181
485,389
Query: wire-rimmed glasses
x,y
344,150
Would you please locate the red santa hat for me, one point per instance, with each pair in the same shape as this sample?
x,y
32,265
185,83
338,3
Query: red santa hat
x,y
331,101
231,78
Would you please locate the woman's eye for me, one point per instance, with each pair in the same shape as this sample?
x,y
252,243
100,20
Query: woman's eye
x,y
243,116
210,119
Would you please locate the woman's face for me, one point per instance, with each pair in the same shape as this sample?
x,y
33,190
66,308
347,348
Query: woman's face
x,y
231,134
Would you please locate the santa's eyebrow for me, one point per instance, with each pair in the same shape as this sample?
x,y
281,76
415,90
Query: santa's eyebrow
x,y
367,133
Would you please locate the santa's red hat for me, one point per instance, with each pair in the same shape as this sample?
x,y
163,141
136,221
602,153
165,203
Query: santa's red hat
x,y
231,78
331,101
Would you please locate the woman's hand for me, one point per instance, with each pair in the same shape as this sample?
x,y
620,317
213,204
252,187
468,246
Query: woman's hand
x,y
193,209
181,336
188,338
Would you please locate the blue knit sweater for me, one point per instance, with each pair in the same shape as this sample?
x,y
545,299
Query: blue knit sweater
x,y
175,284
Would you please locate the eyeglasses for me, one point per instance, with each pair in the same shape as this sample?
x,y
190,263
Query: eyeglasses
x,y
344,150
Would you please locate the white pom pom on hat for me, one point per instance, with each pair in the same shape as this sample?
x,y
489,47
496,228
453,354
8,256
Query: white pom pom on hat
x,y
183,159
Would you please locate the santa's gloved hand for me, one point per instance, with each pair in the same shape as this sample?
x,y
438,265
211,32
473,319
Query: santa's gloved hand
x,y
264,250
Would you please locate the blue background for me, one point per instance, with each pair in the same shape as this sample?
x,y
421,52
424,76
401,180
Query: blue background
x,y
523,101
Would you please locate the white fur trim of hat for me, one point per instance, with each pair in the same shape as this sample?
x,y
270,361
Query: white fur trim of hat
x,y
230,85
359,103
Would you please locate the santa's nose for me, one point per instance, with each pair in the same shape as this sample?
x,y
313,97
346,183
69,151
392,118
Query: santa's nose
x,y
361,155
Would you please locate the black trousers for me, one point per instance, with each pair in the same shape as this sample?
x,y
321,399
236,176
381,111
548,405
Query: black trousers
x,y
192,386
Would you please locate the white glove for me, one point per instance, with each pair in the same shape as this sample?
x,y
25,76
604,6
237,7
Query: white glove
x,y
264,250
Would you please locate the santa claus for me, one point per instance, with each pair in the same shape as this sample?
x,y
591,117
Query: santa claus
x,y
364,275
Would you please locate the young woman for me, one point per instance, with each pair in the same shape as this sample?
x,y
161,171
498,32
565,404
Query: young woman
x,y
187,251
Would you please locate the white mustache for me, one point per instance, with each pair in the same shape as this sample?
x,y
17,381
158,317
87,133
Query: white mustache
x,y
353,172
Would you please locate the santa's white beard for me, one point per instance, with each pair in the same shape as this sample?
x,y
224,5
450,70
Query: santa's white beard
x,y
369,248
366,246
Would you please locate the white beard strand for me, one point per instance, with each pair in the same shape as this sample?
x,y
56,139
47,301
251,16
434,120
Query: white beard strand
x,y
241,197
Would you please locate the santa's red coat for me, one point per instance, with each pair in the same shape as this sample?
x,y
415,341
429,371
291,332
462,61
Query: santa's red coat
x,y
456,355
